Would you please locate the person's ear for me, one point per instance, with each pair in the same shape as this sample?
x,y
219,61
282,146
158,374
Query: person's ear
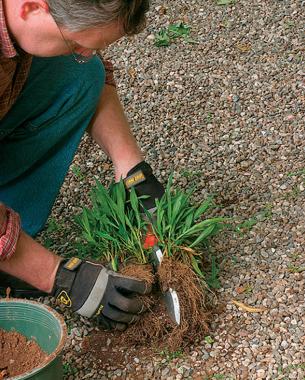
x,y
32,7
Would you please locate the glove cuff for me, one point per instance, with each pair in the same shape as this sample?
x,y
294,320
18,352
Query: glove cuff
x,y
138,174
142,179
80,285
64,280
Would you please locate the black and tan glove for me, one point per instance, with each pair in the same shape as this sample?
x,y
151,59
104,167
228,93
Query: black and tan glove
x,y
91,290
141,177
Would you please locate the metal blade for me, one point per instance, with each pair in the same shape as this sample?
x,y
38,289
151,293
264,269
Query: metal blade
x,y
172,304
157,257
170,297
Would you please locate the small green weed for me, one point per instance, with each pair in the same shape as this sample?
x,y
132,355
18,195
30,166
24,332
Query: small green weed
x,y
77,171
289,368
295,269
53,226
208,339
213,279
225,2
295,256
165,36
190,174
234,260
170,355
247,225
162,38
300,172
220,377
209,117
69,369
248,289
289,24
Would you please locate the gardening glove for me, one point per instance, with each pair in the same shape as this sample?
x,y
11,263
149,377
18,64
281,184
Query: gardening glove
x,y
145,183
91,290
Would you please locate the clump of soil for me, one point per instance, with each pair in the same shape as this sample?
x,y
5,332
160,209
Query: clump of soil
x,y
18,355
155,330
155,326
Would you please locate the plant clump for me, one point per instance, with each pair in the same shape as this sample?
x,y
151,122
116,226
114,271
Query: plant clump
x,y
113,230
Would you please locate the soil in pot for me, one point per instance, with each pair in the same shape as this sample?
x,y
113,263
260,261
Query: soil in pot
x,y
18,355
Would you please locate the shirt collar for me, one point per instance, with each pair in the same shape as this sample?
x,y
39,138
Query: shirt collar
x,y
6,44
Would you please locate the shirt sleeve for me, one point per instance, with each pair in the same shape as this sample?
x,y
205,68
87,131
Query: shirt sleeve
x,y
9,231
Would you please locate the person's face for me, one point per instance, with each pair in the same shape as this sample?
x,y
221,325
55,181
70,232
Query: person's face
x,y
44,38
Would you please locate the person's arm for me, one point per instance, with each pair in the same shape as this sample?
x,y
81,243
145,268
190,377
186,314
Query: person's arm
x,y
32,263
110,129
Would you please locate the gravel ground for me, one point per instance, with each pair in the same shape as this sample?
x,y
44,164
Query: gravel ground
x,y
226,113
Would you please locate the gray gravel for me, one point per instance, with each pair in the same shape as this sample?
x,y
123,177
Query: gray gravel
x,y
227,114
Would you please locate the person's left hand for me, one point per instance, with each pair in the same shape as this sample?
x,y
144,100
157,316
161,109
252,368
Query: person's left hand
x,y
141,177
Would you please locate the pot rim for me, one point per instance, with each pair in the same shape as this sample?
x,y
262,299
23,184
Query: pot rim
x,y
61,343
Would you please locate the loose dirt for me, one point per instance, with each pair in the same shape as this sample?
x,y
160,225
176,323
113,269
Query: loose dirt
x,y
18,355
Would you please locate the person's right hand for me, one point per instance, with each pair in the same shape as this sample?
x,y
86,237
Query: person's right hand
x,y
94,291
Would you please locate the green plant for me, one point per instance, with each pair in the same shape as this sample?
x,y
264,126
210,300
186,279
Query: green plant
x,y
165,36
288,369
247,224
296,269
113,228
209,117
208,339
189,174
77,171
180,228
300,172
213,279
69,369
162,38
170,355
225,2
53,226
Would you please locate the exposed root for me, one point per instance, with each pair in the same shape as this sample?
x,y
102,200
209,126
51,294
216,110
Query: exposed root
x,y
155,330
156,326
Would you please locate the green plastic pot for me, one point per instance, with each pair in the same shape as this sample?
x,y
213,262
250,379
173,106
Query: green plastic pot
x,y
42,324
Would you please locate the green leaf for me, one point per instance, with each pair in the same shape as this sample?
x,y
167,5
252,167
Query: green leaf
x,y
179,30
196,268
162,38
225,2
213,280
114,264
189,220
201,225
206,233
208,340
203,207
135,206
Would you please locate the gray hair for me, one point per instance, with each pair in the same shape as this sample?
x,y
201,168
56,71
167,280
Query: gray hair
x,y
78,15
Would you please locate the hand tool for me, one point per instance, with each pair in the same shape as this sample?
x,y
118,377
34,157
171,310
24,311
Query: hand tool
x,y
169,297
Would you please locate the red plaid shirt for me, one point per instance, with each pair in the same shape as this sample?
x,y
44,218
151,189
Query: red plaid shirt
x,y
9,231
14,68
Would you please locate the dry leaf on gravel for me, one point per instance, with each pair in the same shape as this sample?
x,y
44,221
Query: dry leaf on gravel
x,y
249,309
